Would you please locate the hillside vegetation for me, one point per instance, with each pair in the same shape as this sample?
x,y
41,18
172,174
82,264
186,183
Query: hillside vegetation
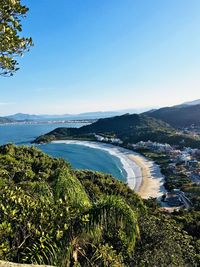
x,y
129,128
51,214
178,116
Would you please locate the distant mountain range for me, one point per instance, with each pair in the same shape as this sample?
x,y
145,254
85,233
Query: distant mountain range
x,y
81,116
192,103
185,115
23,117
129,128
180,116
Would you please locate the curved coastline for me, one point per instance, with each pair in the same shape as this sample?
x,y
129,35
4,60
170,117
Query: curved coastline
x,y
143,175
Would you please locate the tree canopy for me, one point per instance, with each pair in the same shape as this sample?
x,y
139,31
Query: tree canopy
x,y
51,214
12,44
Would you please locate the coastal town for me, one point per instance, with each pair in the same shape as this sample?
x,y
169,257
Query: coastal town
x,y
52,121
193,130
180,167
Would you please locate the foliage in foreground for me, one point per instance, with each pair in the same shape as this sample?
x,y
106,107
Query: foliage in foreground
x,y
12,44
51,214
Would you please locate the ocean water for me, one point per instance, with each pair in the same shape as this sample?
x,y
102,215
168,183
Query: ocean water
x,y
83,157
25,133
80,157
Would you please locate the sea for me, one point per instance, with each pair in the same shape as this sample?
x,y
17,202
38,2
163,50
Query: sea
x,y
79,156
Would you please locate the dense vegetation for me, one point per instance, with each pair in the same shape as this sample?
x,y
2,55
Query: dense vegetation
x,y
129,128
178,116
12,44
51,214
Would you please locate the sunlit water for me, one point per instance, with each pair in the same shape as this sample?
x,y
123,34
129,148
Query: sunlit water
x,y
80,157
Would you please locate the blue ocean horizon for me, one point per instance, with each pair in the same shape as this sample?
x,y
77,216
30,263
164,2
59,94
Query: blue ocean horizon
x,y
79,156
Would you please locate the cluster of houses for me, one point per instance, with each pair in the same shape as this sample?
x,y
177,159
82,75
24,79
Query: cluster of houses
x,y
188,158
193,130
185,161
153,146
176,198
173,198
106,139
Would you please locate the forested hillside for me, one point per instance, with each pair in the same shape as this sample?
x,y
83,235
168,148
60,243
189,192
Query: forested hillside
x,y
51,214
178,116
129,128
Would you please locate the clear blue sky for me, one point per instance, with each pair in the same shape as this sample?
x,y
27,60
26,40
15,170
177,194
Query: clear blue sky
x,y
94,55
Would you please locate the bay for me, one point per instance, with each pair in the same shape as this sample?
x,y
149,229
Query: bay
x,y
25,133
79,156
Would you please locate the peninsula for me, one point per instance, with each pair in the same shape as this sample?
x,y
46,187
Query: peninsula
x,y
129,128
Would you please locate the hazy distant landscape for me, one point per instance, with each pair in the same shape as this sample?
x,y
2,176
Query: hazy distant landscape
x,y
182,115
66,117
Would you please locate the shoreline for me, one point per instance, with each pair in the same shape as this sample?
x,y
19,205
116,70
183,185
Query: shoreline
x,y
143,175
152,179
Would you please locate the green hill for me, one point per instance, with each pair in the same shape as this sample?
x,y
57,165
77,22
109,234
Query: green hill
x,y
178,116
51,214
129,128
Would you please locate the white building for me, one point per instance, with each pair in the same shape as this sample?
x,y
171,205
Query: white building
x,y
106,139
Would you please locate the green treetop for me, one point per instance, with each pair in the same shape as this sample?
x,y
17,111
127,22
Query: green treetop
x,y
12,44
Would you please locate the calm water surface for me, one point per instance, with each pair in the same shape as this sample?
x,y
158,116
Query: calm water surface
x,y
80,157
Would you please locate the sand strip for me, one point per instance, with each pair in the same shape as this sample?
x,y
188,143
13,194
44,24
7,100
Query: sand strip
x,y
143,175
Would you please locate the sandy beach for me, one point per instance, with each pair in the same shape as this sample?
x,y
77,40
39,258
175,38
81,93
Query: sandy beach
x,y
143,175
152,179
